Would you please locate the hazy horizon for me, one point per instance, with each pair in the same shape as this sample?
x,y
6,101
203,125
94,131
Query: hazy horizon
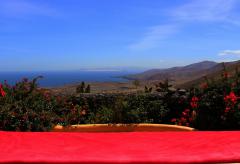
x,y
109,69
94,34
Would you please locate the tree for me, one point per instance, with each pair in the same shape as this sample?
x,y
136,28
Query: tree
x,y
88,89
83,89
148,90
163,86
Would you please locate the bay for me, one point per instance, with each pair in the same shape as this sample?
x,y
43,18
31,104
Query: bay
x,y
61,78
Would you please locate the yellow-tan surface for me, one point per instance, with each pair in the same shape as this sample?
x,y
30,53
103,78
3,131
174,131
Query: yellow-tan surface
x,y
121,128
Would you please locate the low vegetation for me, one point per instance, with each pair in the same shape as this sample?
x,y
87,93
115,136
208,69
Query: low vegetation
x,y
214,105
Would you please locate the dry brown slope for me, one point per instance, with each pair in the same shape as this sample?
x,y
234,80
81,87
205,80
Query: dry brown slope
x,y
178,74
213,73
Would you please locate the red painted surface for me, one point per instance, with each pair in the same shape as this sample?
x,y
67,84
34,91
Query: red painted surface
x,y
133,147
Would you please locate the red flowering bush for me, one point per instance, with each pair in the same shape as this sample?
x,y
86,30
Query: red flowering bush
x,y
230,101
218,106
194,102
2,92
215,105
186,118
25,107
70,113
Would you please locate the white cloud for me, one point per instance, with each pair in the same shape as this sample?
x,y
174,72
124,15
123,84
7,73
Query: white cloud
x,y
194,11
154,37
229,52
204,10
225,60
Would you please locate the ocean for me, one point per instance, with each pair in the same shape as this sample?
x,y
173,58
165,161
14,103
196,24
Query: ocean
x,y
61,78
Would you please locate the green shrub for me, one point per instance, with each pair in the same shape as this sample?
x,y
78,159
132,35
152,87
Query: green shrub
x,y
25,107
219,106
213,106
83,89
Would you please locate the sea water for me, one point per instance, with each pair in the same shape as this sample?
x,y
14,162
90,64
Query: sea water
x,y
61,78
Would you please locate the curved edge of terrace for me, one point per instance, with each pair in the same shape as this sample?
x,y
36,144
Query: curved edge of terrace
x,y
121,128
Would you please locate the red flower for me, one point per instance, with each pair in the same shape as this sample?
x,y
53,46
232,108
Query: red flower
x,y
194,105
184,113
194,99
183,119
2,92
227,109
231,98
194,102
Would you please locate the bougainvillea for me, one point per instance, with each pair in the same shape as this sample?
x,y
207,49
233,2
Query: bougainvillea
x,y
194,102
214,105
2,92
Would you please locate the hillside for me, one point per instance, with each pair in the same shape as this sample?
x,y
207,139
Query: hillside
x,y
178,75
213,73
184,77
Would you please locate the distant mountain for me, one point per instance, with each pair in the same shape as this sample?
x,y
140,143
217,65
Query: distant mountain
x,y
116,68
213,73
178,75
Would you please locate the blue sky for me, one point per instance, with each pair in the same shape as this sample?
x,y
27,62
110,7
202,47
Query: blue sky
x,y
75,34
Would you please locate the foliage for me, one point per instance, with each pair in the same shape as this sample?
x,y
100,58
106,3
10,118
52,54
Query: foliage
x,y
121,108
24,107
219,105
147,89
80,88
215,105
163,86
145,109
83,89
88,89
